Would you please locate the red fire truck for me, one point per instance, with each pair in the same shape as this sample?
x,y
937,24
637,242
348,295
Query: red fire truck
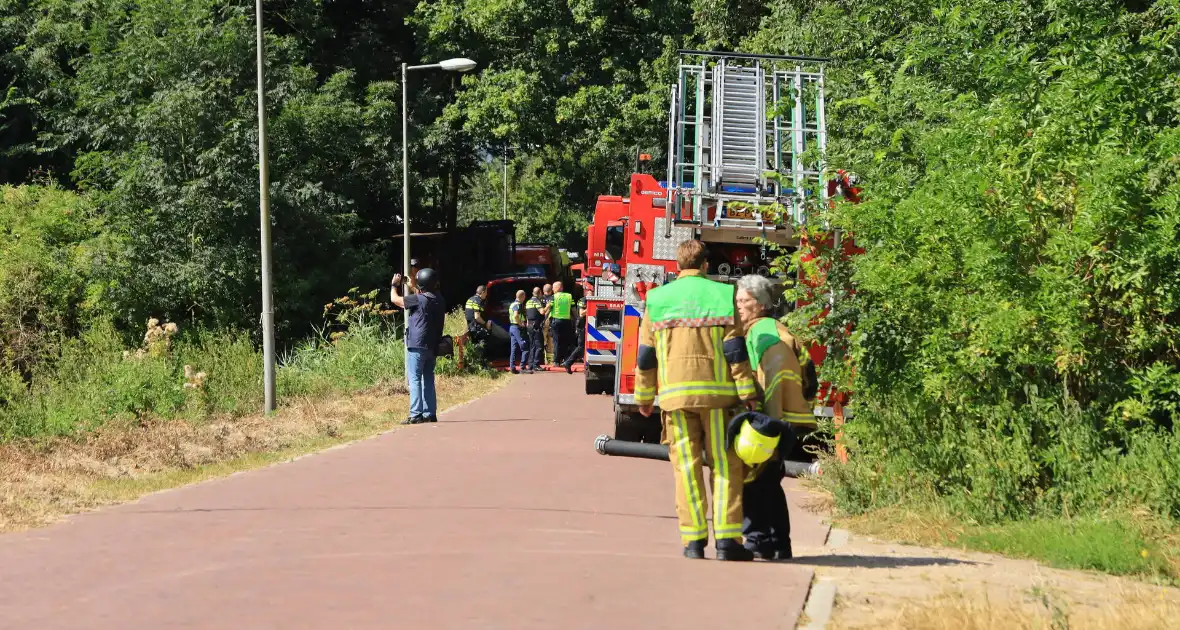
x,y
745,144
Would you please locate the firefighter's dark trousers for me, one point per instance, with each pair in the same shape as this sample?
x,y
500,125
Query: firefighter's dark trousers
x,y
689,432
562,332
767,524
578,349
536,344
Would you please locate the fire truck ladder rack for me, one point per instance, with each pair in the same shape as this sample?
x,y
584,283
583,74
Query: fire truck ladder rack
x,y
733,118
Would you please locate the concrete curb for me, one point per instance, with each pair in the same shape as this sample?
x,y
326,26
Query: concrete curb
x,y
821,597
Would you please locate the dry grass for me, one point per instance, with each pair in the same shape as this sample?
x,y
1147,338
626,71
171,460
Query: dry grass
x,y
1132,609
928,527
43,482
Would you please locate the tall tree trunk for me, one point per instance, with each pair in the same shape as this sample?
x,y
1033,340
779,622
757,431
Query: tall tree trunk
x,y
451,199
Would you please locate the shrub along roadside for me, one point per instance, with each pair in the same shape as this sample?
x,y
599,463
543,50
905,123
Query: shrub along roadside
x,y
1018,301
197,375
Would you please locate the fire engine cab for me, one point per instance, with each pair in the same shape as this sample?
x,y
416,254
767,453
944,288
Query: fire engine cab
x,y
746,140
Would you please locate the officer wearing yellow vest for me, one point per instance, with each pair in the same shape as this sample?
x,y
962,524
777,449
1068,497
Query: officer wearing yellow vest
x,y
775,355
559,321
477,326
535,316
693,356
516,321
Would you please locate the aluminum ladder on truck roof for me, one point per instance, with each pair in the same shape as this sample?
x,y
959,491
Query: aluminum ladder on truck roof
x,y
734,119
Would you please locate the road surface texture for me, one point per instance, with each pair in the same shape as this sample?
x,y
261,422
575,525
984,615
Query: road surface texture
x,y
501,515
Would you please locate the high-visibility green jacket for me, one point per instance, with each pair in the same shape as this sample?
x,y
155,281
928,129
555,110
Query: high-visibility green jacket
x,y
561,305
692,353
774,354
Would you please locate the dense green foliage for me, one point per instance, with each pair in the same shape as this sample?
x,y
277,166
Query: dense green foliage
x,y
1018,303
1016,308
54,252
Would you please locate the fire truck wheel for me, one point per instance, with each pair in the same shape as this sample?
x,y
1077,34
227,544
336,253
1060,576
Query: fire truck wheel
x,y
599,381
593,384
628,427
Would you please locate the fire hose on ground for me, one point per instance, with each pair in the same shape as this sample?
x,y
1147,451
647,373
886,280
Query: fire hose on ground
x,y
605,445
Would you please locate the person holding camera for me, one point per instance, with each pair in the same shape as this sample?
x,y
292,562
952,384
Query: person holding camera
x,y
424,313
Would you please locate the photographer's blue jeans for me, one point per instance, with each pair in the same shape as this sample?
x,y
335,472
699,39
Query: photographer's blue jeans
x,y
420,376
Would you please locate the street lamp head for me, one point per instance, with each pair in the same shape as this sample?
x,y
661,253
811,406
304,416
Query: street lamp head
x,y
458,64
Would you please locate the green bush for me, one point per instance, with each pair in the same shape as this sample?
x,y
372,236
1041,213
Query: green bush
x,y
1017,307
368,354
53,249
93,383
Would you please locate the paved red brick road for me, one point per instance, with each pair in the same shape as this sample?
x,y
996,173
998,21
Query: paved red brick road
x,y
501,515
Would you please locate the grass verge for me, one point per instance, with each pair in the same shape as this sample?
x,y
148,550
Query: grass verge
x,y
1130,545
1134,609
44,481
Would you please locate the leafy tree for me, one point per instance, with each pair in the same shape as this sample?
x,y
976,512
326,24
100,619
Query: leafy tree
x,y
1017,302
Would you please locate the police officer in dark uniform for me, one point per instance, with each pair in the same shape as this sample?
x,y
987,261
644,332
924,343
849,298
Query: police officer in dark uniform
x,y
477,326
535,315
547,329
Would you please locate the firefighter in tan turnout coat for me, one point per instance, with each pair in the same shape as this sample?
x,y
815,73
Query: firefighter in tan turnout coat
x,y
784,384
693,356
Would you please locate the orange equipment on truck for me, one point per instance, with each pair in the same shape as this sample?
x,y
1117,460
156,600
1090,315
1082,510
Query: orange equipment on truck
x,y
746,140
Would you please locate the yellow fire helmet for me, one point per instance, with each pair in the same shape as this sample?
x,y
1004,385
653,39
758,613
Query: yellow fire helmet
x,y
754,436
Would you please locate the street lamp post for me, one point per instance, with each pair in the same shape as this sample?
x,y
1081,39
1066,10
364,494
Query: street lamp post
x,y
268,314
458,64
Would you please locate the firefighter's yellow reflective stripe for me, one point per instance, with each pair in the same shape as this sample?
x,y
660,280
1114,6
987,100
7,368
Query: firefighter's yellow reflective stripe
x,y
746,387
662,356
645,395
682,447
722,528
699,388
720,365
778,378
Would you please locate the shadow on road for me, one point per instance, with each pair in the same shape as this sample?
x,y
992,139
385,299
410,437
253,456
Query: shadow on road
x,y
874,562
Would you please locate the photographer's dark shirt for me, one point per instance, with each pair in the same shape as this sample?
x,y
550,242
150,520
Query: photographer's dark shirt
x,y
424,320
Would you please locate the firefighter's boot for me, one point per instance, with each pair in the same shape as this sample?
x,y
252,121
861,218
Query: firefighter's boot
x,y
763,551
695,550
732,549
